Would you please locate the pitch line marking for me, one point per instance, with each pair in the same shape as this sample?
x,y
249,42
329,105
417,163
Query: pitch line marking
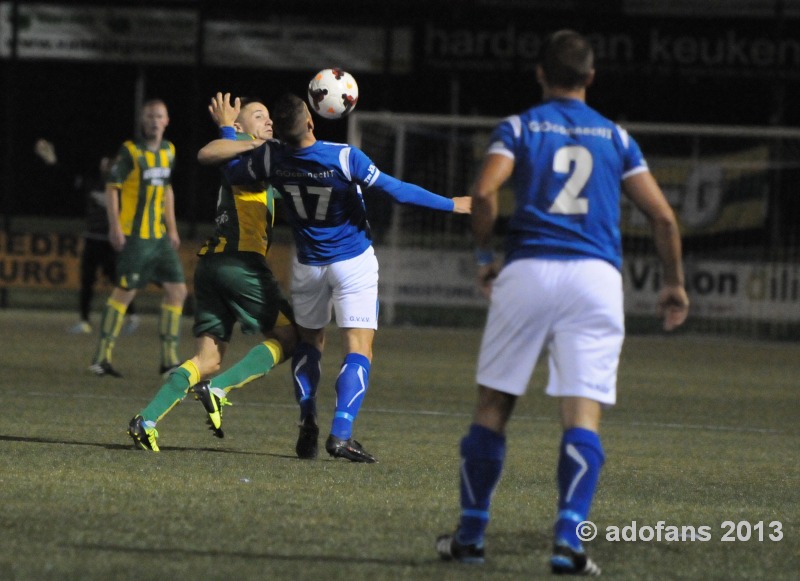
x,y
662,425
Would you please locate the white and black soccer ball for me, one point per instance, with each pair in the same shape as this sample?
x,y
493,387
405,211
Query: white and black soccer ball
x,y
332,93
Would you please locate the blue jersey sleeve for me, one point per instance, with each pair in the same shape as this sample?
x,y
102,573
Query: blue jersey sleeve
x,y
249,167
633,160
504,137
364,171
406,193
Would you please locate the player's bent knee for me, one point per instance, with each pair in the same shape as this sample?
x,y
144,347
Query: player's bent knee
x,y
288,338
208,361
208,367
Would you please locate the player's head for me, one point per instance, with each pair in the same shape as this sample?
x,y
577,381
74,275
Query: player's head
x,y
155,118
292,119
566,61
104,166
254,119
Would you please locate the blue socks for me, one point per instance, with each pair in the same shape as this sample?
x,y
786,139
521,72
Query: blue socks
x,y
351,386
579,464
305,376
482,454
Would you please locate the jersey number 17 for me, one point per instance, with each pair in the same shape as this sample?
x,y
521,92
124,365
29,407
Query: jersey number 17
x,y
300,194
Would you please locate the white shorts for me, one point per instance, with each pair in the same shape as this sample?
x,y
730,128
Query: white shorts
x,y
349,286
574,308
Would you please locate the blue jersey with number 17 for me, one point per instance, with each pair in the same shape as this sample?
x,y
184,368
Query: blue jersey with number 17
x,y
569,163
321,186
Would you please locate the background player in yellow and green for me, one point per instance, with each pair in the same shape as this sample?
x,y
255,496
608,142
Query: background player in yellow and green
x,y
142,228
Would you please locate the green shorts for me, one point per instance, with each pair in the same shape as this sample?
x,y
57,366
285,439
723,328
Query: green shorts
x,y
237,287
145,261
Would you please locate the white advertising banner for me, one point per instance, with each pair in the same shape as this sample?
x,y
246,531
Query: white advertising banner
x,y
717,289
306,46
167,36
100,34
412,276
721,290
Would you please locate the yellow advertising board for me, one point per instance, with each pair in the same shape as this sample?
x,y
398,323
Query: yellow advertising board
x,y
46,260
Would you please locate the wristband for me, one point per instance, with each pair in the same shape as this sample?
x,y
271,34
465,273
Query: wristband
x,y
484,256
227,132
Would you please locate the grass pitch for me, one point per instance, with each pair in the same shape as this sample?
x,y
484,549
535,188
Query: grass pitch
x,y
705,431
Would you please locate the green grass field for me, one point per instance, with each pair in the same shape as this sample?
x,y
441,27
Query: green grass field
x,y
706,430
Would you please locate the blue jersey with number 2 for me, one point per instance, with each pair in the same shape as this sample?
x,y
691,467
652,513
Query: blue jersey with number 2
x,y
569,163
321,186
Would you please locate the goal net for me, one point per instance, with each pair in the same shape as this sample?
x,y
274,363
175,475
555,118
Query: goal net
x,y
734,190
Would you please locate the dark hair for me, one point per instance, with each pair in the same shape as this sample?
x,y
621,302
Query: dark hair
x,y
567,59
289,118
152,102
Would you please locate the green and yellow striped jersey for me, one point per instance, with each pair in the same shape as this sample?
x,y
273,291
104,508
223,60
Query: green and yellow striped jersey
x,y
141,176
244,220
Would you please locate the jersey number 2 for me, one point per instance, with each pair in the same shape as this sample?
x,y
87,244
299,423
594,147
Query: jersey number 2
x,y
578,160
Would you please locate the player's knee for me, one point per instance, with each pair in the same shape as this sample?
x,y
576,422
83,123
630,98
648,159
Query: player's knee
x,y
288,344
181,292
207,363
494,409
175,293
315,337
209,367
288,338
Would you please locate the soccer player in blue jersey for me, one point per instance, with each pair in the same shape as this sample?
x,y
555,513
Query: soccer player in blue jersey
x,y
559,289
323,186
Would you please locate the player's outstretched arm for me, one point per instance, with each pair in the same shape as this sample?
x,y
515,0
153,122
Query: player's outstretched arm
x,y
407,193
224,114
462,205
222,150
644,192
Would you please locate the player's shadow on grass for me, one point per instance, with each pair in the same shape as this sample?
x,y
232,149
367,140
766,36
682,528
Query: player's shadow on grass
x,y
251,555
130,448
304,557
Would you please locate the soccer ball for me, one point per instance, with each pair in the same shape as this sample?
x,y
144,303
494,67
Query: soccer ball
x,y
332,93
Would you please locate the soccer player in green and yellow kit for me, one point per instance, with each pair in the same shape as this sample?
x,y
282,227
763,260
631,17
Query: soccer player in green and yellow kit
x,y
142,228
232,282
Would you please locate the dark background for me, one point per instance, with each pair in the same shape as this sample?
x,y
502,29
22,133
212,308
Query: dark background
x,y
88,109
